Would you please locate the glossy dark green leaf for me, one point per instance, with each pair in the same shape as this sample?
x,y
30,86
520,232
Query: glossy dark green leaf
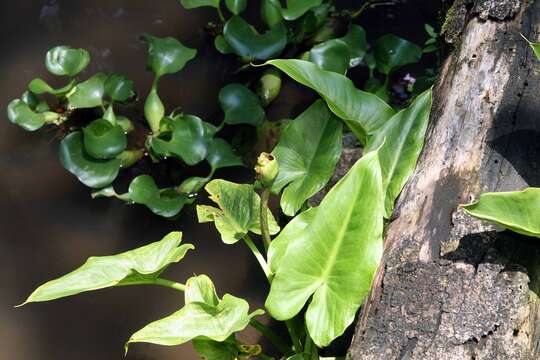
x,y
119,88
331,55
64,60
30,99
190,4
20,113
403,137
39,86
362,112
188,140
141,265
307,153
270,13
91,172
240,105
392,52
296,8
222,46
236,6
89,93
247,42
192,184
357,43
518,211
163,202
215,320
103,140
167,55
221,154
335,258
238,213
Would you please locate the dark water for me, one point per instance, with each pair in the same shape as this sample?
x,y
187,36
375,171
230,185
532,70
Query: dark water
x,y
48,223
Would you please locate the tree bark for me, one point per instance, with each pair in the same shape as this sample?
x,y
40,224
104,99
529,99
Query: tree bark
x,y
451,287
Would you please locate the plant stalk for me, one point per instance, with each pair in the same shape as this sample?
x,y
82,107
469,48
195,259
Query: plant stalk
x,y
265,231
260,258
274,338
160,282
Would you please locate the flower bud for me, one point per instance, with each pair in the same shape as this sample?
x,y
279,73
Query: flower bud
x,y
266,169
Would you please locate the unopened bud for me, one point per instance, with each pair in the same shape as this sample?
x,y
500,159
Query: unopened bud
x,y
266,169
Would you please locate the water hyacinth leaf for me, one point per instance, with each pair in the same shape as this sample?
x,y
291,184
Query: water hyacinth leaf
x,y
247,42
103,140
20,113
119,88
307,153
64,60
270,13
236,6
39,86
240,105
220,155
296,8
392,52
89,93
518,211
188,140
331,55
222,46
357,43
238,213
191,4
403,137
141,265
163,202
335,258
362,112
197,319
192,184
167,55
91,172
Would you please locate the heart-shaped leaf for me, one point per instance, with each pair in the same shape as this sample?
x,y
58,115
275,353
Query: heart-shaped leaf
x,y
215,320
191,4
167,55
64,60
103,140
247,42
20,113
220,155
362,112
392,52
335,257
236,6
240,105
141,265
518,211
403,138
39,86
91,172
89,93
238,213
331,55
307,153
188,140
296,8
119,88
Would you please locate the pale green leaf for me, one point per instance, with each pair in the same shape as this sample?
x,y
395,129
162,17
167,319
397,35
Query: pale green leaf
x,y
307,153
190,4
335,258
138,265
518,211
238,213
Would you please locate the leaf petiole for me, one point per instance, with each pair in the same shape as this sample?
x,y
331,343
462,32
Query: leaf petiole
x,y
158,281
260,258
274,338
265,232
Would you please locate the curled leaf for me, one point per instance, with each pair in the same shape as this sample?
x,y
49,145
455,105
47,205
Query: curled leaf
x,y
20,113
119,88
64,60
103,140
89,93
221,155
240,105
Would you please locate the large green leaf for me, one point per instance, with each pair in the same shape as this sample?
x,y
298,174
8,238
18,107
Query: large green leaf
x,y
141,265
89,93
236,6
307,152
403,138
64,60
296,8
240,105
189,140
167,55
119,88
20,113
216,319
103,140
335,257
331,55
518,211
362,112
91,172
357,43
392,52
238,213
245,41
220,155
190,4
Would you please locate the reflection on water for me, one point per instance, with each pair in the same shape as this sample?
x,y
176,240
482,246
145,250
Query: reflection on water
x,y
49,224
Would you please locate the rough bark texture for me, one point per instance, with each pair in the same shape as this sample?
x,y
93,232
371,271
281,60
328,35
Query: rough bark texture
x,y
451,287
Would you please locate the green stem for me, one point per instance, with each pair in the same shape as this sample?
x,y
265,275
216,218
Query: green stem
x,y
260,258
275,339
265,232
297,345
310,349
264,357
220,14
160,282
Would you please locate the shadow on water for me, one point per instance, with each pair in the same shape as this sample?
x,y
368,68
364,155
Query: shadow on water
x,y
49,224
